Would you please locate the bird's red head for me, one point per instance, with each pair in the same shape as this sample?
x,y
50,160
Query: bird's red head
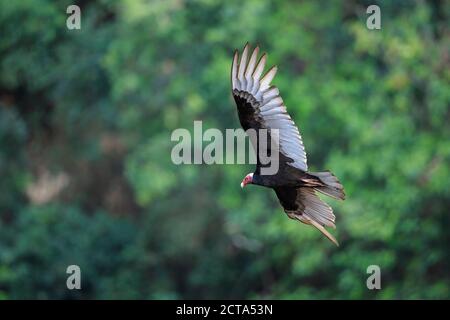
x,y
248,179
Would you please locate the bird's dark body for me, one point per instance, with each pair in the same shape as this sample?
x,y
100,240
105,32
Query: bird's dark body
x,y
287,177
287,197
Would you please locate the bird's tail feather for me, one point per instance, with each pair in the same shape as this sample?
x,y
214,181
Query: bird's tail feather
x,y
332,187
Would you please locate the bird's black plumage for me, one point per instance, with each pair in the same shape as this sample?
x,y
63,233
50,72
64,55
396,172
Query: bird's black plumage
x,y
260,106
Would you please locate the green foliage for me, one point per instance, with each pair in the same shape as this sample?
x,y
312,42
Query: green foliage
x,y
86,176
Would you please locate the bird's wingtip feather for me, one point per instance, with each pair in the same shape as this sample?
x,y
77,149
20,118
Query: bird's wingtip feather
x,y
324,232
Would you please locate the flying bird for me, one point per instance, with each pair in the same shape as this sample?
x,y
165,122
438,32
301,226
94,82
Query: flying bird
x,y
260,106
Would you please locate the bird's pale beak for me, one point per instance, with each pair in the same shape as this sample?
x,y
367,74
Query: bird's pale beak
x,y
242,185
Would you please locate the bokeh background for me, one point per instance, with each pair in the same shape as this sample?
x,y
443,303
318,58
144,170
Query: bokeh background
x,y
86,176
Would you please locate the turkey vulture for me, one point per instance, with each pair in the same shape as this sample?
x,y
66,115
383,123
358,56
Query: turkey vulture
x,y
259,107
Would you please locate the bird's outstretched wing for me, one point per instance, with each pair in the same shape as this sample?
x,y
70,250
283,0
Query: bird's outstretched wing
x,y
260,106
304,205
